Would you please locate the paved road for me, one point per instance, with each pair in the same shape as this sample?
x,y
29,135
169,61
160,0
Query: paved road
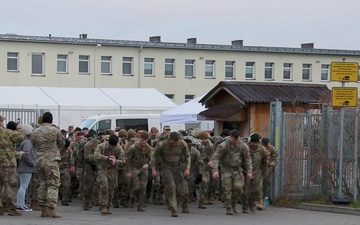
x,y
158,215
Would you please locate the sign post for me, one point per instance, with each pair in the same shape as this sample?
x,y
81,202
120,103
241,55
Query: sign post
x,y
343,97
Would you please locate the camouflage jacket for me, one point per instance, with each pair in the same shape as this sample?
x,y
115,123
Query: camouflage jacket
x,y
259,160
89,151
207,151
65,159
77,155
197,164
8,153
47,141
232,157
102,153
137,157
177,155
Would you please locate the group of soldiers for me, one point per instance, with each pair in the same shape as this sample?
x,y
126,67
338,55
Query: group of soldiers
x,y
131,167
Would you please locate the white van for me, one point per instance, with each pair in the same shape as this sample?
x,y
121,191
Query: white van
x,y
126,121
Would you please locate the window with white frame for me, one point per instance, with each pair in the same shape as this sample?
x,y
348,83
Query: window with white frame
x,y
127,65
229,69
12,61
149,66
209,68
62,63
189,97
170,96
250,70
169,67
359,74
189,67
325,72
269,67
287,71
37,63
106,65
306,72
84,64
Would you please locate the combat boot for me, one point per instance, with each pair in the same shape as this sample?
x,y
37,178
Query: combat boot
x,y
108,210
211,199
155,201
65,203
51,213
252,208
174,213
206,201
103,210
260,205
124,203
161,201
43,211
35,206
201,205
1,211
13,212
229,211
131,203
245,210
86,206
234,207
141,208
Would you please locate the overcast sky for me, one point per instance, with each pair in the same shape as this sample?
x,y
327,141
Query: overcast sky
x,y
331,24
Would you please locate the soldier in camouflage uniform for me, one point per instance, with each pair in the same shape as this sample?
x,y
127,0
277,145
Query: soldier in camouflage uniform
x,y
196,168
234,156
152,142
77,159
137,161
254,187
110,156
174,156
47,140
65,178
90,169
8,176
273,160
206,187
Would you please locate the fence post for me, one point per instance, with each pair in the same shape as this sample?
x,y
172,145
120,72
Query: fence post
x,y
356,156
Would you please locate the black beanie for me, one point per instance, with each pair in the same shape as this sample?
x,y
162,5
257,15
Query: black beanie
x,y
47,117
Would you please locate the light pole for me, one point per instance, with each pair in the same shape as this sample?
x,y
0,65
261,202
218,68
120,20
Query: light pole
x,y
97,46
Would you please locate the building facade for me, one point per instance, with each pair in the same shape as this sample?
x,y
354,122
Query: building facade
x,y
182,71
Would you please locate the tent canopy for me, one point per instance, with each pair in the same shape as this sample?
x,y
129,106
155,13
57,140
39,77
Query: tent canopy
x,y
185,113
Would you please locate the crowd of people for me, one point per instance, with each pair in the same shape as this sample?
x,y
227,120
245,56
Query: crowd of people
x,y
130,168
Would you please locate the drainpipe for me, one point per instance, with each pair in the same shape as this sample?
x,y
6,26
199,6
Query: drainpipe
x,y
139,66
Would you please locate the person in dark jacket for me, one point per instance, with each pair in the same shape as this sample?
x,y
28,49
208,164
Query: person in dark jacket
x,y
26,166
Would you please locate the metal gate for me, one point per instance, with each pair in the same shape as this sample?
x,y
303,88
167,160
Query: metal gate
x,y
22,116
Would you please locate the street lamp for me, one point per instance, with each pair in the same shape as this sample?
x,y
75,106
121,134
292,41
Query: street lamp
x,y
96,47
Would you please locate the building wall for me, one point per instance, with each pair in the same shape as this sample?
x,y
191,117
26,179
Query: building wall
x,y
177,85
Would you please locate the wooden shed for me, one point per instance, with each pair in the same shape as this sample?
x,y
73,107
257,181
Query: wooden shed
x,y
245,106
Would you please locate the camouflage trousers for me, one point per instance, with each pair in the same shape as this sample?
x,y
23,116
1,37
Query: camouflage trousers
x,y
253,191
139,181
48,173
206,185
157,188
232,184
122,191
107,181
65,180
79,177
191,184
8,186
174,183
34,188
266,184
89,183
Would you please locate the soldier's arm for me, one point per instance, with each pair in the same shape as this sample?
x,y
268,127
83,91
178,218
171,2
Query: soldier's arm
x,y
129,157
187,156
264,163
16,137
73,157
274,157
97,154
215,159
156,155
247,159
199,161
60,140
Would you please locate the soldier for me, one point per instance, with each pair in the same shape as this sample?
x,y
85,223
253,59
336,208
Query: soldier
x,y
174,156
77,159
8,176
206,189
65,178
196,168
47,140
138,159
273,160
110,156
254,187
234,156
90,169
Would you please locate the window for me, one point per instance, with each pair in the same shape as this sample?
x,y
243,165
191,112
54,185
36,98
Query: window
x,y
229,69
189,97
249,70
209,68
269,67
189,67
102,124
287,73
325,72
106,65
359,74
12,61
306,72
84,64
170,96
133,123
169,67
127,65
62,63
37,63
149,66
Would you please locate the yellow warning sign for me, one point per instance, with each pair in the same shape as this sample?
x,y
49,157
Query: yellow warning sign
x,y
344,96
344,71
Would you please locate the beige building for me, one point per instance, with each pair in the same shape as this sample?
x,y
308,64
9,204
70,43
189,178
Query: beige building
x,y
182,71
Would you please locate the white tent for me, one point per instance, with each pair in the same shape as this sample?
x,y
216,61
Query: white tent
x,y
185,113
70,106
